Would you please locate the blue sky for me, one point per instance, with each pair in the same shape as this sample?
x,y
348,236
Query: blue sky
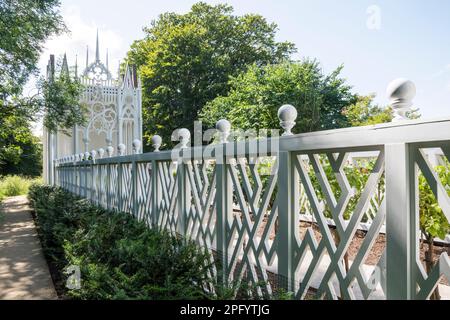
x,y
401,38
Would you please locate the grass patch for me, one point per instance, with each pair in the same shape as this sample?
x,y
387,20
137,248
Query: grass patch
x,y
11,186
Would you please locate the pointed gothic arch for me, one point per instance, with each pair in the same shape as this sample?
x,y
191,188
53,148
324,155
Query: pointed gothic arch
x,y
113,111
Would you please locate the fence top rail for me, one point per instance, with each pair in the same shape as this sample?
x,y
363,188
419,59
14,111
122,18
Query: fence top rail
x,y
374,137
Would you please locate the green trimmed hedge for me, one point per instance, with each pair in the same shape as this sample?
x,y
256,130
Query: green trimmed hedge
x,y
118,256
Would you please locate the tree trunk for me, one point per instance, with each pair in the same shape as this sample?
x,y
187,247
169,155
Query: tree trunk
x,y
430,264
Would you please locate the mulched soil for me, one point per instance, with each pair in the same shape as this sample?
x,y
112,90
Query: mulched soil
x,y
377,248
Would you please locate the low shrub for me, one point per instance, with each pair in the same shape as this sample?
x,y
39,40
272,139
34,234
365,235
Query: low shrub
x,y
11,186
118,256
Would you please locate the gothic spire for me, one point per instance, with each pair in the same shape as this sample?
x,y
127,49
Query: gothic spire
x,y
76,66
97,51
87,56
65,66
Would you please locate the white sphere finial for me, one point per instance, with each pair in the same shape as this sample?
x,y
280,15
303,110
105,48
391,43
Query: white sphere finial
x,y
81,156
110,151
101,152
156,142
121,149
75,158
137,146
401,92
224,128
184,136
93,154
87,154
287,115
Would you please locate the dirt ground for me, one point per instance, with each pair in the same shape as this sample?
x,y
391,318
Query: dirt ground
x,y
377,248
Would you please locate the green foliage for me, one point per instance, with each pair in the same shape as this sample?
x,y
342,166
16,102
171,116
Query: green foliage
x,y
119,257
364,112
256,95
185,60
61,103
24,27
432,219
20,150
11,186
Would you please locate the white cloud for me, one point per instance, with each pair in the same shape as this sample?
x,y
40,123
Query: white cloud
x,y
82,33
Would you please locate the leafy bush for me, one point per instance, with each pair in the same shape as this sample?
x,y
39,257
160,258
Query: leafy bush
x,y
11,186
119,257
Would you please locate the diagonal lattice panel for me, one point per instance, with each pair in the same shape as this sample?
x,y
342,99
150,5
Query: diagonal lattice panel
x,y
126,193
102,185
167,211
201,219
201,216
251,233
112,194
144,190
433,205
321,264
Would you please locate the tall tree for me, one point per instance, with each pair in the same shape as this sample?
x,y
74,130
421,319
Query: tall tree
x,y
24,27
256,95
365,112
20,150
185,60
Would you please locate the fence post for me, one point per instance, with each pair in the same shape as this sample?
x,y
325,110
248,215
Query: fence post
x,y
288,185
399,223
184,192
156,184
224,203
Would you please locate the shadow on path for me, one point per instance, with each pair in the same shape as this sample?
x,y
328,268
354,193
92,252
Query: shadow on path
x,y
23,269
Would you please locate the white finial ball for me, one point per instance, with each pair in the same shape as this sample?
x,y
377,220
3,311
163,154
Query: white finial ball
x,y
184,135
287,115
93,154
101,152
223,125
87,154
401,93
287,112
156,142
121,148
110,151
224,128
137,145
81,156
401,89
